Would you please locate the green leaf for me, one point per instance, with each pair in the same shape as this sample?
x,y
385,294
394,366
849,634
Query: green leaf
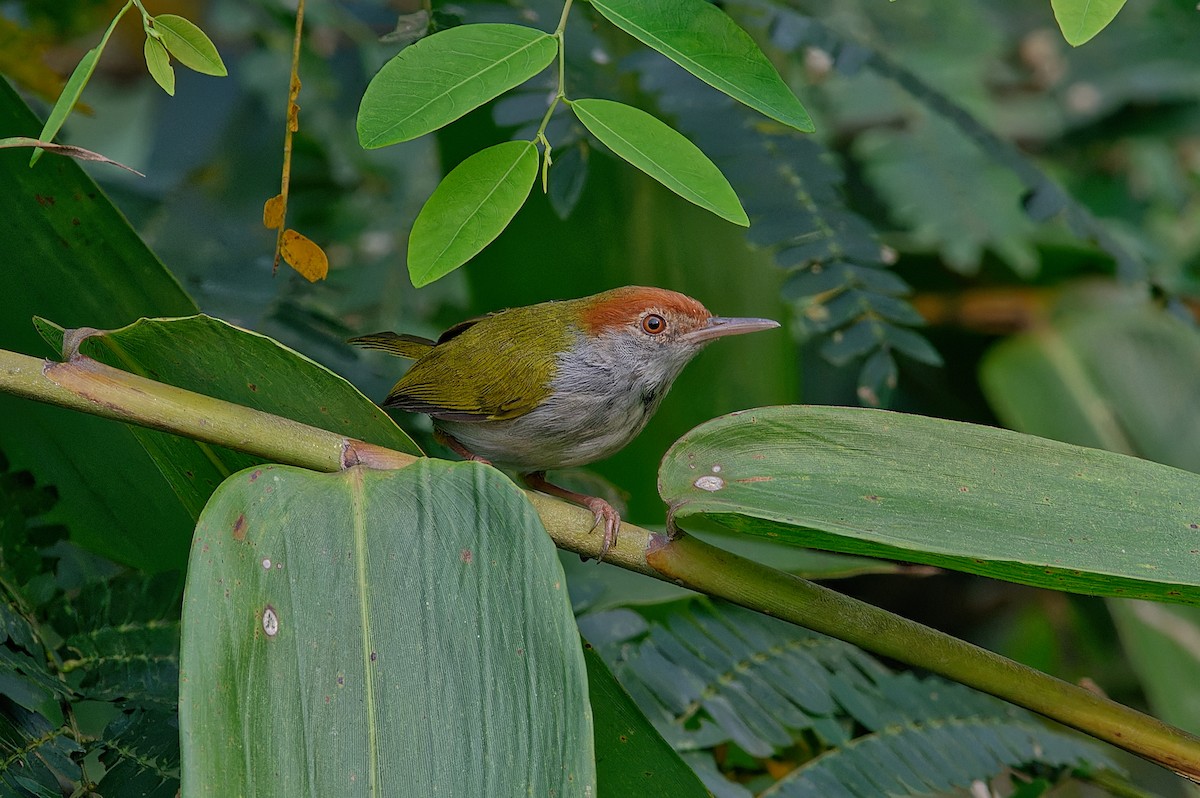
x,y
933,757
944,493
190,45
709,673
69,96
1162,643
469,208
442,77
1080,20
951,194
632,758
380,633
140,754
1085,379
663,153
702,39
159,64
74,87
37,754
121,638
81,263
238,366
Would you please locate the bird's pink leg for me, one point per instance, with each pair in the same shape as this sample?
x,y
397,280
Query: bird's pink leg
x,y
602,510
454,444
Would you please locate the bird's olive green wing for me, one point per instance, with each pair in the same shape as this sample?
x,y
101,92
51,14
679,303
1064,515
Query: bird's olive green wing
x,y
489,369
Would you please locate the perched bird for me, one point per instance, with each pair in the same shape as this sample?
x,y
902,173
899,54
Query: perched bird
x,y
555,385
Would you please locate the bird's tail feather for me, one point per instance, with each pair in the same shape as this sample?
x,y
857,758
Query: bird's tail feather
x,y
398,344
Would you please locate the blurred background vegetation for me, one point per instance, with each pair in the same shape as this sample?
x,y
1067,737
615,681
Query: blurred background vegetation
x,y
1042,202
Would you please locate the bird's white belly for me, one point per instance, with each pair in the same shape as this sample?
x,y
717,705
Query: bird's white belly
x,y
566,431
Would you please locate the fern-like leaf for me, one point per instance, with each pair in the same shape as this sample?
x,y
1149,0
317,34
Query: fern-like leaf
x,y
709,674
792,191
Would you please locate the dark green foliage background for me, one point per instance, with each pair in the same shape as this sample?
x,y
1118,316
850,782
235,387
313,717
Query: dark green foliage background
x,y
962,149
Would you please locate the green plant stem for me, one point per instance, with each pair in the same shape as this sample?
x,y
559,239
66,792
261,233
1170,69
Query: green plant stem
x,y
89,386
695,564
559,95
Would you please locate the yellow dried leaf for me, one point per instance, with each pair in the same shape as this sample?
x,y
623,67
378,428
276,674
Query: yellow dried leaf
x,y
304,256
273,212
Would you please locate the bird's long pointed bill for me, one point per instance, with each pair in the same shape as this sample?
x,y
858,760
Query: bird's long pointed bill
x,y
719,327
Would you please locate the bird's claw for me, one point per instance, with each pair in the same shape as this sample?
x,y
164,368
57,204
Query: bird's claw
x,y
607,515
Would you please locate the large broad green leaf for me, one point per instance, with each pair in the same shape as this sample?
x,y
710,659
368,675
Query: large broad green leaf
x,y
398,633
962,496
442,77
68,254
702,39
632,758
1080,20
469,208
215,358
1124,379
663,153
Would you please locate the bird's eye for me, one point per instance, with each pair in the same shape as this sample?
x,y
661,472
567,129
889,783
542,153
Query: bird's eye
x,y
654,324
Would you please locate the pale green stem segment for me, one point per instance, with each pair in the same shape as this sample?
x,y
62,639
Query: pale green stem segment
x,y
86,385
559,95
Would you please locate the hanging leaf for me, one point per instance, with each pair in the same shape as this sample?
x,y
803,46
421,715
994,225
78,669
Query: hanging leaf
x,y
273,212
996,503
64,149
66,101
442,77
1080,20
663,153
190,45
702,39
304,256
158,62
469,208
379,633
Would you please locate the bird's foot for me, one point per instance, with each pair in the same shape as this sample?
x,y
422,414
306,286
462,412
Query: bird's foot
x,y
606,513
455,445
602,512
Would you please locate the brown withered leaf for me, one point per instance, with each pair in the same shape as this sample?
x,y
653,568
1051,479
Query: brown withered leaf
x,y
304,256
273,212
64,149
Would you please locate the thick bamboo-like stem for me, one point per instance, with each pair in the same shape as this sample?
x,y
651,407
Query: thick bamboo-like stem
x,y
86,385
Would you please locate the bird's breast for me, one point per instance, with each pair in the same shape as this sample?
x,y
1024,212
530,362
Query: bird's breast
x,y
594,409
